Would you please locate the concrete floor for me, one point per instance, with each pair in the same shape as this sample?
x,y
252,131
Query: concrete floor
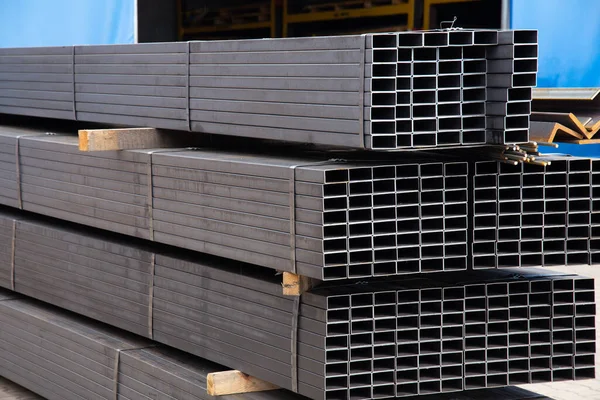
x,y
578,390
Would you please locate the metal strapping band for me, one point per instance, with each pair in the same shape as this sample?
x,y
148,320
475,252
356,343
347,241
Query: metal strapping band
x,y
294,343
73,76
296,304
150,199
151,297
116,374
292,193
116,367
293,219
361,93
187,90
18,165
18,173
13,250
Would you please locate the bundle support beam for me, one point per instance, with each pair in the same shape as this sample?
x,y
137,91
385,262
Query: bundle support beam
x,y
235,382
126,139
295,285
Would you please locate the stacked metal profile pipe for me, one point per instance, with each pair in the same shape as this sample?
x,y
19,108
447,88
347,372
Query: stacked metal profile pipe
x,y
401,77
383,338
48,175
446,88
65,357
375,91
160,372
350,219
532,215
142,85
62,356
37,81
512,73
59,355
86,273
9,165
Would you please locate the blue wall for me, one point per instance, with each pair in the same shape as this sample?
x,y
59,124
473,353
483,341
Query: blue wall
x,y
569,37
28,23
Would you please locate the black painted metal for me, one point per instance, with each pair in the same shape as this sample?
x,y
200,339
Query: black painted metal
x,y
380,338
376,91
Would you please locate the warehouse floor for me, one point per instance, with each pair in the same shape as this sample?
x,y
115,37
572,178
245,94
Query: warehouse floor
x,y
589,389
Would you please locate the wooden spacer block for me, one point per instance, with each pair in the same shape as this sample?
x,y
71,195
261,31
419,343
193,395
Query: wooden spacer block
x,y
233,382
125,139
295,285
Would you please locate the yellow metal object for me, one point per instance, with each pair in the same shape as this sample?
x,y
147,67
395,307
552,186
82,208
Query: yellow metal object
x,y
427,10
183,31
407,9
226,28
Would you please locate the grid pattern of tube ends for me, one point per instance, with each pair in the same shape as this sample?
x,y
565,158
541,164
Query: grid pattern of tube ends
x,y
512,73
390,220
376,91
531,216
449,88
446,339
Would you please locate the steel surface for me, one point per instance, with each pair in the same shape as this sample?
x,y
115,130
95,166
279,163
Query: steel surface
x,y
115,83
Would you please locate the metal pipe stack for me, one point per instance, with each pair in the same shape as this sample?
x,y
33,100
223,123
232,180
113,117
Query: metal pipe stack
x,y
351,218
532,215
118,236
89,274
48,175
380,339
62,356
375,91
145,85
512,73
38,82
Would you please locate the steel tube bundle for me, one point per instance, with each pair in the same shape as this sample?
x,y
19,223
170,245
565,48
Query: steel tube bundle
x,y
48,175
145,85
37,82
532,215
62,356
512,73
319,217
65,357
59,355
88,274
351,219
383,338
375,91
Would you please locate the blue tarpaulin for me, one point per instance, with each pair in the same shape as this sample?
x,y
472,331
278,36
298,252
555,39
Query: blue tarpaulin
x,y
28,23
569,39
